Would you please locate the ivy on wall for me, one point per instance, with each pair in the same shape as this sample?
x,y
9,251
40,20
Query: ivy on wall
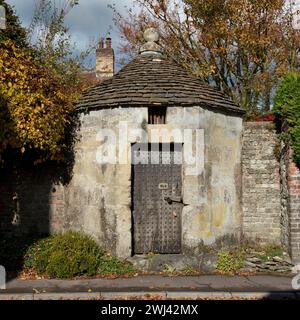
x,y
287,108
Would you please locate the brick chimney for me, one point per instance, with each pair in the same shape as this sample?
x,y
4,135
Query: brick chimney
x,y
105,59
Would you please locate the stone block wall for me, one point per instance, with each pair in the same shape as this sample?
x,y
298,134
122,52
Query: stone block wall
x,y
261,184
294,209
30,202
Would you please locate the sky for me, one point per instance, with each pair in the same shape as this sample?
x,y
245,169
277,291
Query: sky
x,y
88,21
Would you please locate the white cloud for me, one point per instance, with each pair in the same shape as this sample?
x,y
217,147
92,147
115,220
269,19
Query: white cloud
x,y
90,19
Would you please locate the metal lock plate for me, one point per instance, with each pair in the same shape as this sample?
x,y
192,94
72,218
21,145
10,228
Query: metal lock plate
x,y
163,186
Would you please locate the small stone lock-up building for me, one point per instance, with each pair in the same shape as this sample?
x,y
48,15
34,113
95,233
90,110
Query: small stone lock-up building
x,y
162,163
141,206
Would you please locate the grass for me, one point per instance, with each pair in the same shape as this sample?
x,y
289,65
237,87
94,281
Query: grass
x,y
189,270
269,252
110,265
230,261
169,269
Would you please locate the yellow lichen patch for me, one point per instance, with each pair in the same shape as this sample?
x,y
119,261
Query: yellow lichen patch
x,y
201,223
219,215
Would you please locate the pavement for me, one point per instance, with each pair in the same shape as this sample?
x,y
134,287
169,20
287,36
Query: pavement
x,y
154,286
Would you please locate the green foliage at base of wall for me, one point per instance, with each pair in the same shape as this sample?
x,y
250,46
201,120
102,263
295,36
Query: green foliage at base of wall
x,y
110,265
287,108
230,261
72,255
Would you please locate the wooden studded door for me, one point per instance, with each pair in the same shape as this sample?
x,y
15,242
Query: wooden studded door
x,y
157,198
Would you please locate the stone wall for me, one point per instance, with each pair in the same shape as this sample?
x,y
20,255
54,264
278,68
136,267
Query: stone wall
x,y
30,201
261,183
294,209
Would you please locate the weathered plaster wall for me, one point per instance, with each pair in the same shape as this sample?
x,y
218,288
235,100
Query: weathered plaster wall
x,y
261,183
212,212
98,200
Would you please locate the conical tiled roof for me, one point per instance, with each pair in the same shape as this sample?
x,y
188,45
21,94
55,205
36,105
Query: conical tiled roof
x,y
151,80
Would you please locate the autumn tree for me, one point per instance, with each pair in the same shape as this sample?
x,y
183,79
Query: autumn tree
x,y
51,39
242,47
35,107
39,86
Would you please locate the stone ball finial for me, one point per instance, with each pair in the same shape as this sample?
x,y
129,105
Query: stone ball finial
x,y
151,35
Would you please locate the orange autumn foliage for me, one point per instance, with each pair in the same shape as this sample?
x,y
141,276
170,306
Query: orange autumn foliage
x,y
35,105
242,47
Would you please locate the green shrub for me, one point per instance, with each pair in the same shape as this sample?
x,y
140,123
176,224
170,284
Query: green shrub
x,y
287,108
230,261
71,255
64,256
38,254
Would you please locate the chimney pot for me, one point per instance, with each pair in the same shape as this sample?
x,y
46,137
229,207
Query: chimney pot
x,y
101,44
108,43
